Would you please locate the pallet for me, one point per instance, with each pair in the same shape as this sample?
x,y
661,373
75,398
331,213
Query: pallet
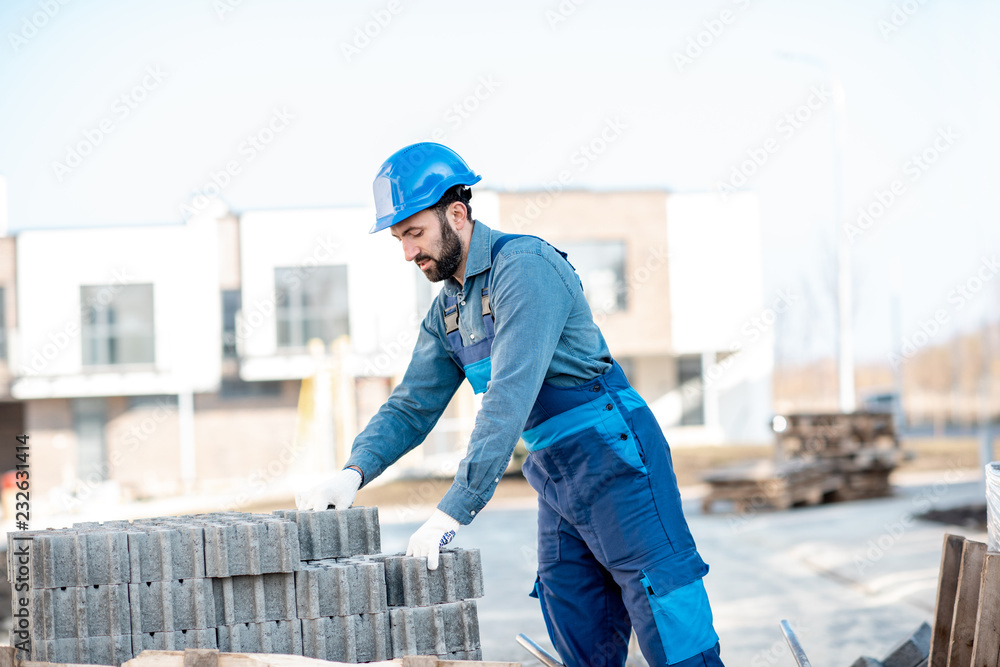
x,y
818,457
768,484
215,658
834,434
966,630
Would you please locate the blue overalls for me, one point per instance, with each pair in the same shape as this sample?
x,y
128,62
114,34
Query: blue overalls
x,y
614,549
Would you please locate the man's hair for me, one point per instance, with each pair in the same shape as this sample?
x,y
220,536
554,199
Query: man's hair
x,y
453,194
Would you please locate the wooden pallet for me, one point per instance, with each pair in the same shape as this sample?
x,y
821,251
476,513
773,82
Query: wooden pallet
x,y
818,457
966,630
214,658
768,484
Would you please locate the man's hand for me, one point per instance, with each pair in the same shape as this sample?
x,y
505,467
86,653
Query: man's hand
x,y
337,493
430,537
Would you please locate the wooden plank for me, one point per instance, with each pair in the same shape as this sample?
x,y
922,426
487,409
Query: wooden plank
x,y
287,660
963,623
201,657
419,661
986,651
944,604
177,659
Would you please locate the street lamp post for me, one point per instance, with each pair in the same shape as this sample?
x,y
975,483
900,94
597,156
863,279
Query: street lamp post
x,y
845,331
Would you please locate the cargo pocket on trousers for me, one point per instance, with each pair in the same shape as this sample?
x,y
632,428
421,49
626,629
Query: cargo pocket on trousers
x,y
682,615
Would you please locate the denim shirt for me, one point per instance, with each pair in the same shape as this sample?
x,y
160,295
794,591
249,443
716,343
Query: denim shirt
x,y
544,332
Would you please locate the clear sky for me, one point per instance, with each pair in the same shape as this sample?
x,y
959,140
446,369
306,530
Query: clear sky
x,y
162,95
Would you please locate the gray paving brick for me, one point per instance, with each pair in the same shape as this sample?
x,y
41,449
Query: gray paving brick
x,y
330,638
174,641
476,654
76,558
266,637
92,611
254,598
417,631
361,638
409,583
327,588
470,562
435,630
120,524
912,650
336,533
251,547
167,606
373,638
461,621
866,661
87,650
164,553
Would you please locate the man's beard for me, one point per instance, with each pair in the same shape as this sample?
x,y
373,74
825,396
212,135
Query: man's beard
x,y
449,255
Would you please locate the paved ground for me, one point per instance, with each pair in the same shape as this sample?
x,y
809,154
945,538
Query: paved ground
x,y
853,578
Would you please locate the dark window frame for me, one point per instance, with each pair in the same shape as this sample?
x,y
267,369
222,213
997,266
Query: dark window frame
x,y
580,253
103,331
229,313
298,318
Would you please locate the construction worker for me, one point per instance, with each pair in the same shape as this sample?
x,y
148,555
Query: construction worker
x,y
614,549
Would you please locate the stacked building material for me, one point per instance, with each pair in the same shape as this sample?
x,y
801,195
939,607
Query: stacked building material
x,y
433,612
303,583
914,651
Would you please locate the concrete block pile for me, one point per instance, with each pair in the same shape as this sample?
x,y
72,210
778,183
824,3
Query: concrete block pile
x,y
914,651
303,583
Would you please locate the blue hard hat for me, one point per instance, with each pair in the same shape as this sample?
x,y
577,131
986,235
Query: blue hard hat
x,y
415,178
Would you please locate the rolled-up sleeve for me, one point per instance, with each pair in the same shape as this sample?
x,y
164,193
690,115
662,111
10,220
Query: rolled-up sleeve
x,y
412,409
531,298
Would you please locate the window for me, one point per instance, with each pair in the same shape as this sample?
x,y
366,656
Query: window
x,y
164,401
232,301
117,324
692,391
237,388
89,419
601,266
311,303
3,324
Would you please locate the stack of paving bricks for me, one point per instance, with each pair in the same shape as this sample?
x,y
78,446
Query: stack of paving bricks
x,y
914,651
302,583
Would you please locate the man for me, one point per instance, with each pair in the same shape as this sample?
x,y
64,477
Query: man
x,y
614,549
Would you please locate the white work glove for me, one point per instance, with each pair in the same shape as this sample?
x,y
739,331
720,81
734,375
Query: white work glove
x,y
430,537
338,492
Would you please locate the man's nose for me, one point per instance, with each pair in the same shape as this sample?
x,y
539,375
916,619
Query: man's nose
x,y
410,250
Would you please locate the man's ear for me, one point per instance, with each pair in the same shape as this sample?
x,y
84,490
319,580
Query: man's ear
x,y
458,213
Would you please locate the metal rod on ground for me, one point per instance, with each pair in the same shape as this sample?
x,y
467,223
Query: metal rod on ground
x,y
534,649
793,643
